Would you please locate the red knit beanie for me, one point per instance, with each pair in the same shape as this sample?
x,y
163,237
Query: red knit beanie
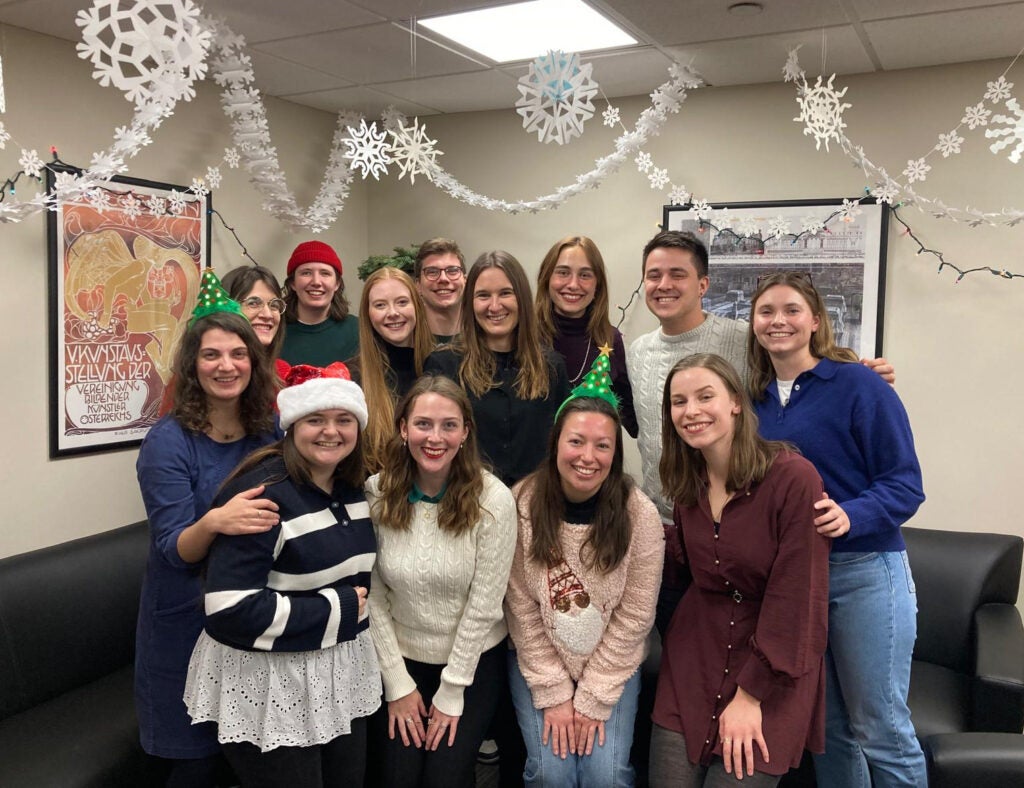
x,y
314,252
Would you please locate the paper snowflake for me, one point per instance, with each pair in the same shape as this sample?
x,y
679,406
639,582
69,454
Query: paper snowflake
x,y
4,136
213,177
701,210
106,164
176,202
556,97
821,112
999,90
146,48
1012,132
99,199
367,149
778,227
64,184
722,219
792,72
31,163
886,191
643,161
976,116
916,170
849,211
391,118
611,116
231,158
413,151
949,144
198,187
812,225
658,178
128,139
678,195
748,227
157,206
131,206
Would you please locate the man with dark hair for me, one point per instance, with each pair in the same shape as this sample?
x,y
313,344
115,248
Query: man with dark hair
x,y
440,274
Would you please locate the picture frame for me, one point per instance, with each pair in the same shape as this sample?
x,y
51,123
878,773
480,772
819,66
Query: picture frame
x,y
841,243
124,268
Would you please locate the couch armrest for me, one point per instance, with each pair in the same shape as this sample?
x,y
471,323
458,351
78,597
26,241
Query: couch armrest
x,y
998,702
994,760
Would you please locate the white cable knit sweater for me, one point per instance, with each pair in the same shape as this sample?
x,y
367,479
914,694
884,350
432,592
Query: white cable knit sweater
x,y
436,598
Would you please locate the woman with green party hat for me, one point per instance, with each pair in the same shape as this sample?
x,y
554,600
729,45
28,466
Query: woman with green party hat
x,y
581,596
221,412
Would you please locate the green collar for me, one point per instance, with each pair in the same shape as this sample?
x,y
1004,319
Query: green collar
x,y
417,495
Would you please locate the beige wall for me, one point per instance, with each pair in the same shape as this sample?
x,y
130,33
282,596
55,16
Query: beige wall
x,y
51,100
957,348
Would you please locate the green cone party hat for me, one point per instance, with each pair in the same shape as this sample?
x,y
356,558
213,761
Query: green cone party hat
x,y
597,383
213,298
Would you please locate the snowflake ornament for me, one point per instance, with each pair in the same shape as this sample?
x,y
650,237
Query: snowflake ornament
x,y
976,116
611,116
391,118
176,202
367,149
886,191
723,219
213,177
778,227
199,188
812,225
99,199
792,72
156,206
1012,132
146,48
849,211
107,164
747,227
4,136
999,90
231,158
31,163
65,184
413,151
916,170
821,112
949,144
556,97
643,161
658,178
701,210
131,206
678,195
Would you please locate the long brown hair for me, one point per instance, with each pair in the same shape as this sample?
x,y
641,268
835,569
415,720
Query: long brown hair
x,y
298,468
823,341
191,407
374,364
459,509
682,467
599,327
239,282
339,303
611,532
476,372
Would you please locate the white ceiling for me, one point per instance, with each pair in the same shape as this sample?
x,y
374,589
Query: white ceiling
x,y
368,54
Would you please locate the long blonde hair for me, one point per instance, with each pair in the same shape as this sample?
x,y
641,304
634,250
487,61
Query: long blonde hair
x,y
823,341
599,327
478,367
374,364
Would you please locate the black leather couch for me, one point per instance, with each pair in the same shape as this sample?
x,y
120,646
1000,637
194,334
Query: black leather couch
x,y
67,641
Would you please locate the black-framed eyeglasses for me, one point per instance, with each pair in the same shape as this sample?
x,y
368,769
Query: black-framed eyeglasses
x,y
433,274
256,304
772,277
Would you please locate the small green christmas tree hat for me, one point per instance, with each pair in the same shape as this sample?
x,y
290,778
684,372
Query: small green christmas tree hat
x,y
597,383
213,298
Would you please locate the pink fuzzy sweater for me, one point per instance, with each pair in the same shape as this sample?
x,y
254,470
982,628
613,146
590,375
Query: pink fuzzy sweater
x,y
588,651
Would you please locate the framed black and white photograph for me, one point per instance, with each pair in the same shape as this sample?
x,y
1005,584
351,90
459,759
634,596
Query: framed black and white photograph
x,y
840,243
125,261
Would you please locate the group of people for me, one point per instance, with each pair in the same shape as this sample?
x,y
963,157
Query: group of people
x,y
382,555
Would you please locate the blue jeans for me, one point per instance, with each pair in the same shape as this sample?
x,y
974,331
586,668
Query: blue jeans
x,y
605,767
872,625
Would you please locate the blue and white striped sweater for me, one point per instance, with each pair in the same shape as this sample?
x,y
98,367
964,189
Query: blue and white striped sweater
x,y
291,588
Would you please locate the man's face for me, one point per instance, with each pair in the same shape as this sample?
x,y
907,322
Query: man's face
x,y
445,291
672,287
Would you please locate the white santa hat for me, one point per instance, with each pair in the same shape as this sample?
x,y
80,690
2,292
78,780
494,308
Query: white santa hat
x,y
311,389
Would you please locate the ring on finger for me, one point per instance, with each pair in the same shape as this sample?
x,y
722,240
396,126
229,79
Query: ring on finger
x,y
431,722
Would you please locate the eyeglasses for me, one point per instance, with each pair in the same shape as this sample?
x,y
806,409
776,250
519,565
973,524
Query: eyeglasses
x,y
256,304
774,277
433,274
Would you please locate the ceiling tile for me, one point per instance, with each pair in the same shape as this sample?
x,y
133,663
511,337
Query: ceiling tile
x,y
267,20
52,17
366,100
886,9
407,9
479,90
277,77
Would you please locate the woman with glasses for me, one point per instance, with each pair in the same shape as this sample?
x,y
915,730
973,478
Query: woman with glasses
x,y
572,315
580,601
256,289
394,341
853,427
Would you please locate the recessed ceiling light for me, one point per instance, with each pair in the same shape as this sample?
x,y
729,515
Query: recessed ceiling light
x,y
745,9
524,31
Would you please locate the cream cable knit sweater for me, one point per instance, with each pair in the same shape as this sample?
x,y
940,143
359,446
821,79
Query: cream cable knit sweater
x,y
436,598
586,654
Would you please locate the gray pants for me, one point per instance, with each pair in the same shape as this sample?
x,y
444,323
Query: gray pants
x,y
670,768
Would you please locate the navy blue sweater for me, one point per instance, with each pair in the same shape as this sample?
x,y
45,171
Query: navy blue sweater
x,y
291,588
851,424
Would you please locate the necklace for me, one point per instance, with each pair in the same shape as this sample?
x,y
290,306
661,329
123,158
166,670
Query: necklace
x,y
586,355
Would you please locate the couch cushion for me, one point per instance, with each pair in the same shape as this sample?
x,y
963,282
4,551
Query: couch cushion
x,y
940,699
86,737
67,614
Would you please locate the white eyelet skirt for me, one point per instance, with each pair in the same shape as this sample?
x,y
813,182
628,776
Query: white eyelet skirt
x,y
282,698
